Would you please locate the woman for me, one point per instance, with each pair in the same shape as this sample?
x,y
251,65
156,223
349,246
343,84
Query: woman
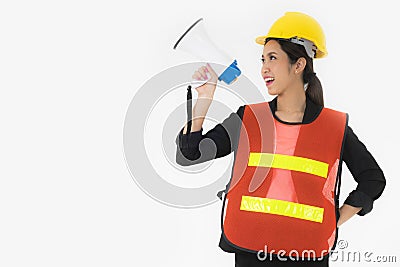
x,y
283,197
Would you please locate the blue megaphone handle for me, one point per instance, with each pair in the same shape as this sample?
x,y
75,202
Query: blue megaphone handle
x,y
230,74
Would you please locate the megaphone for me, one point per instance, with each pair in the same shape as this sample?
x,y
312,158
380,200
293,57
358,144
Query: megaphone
x,y
195,41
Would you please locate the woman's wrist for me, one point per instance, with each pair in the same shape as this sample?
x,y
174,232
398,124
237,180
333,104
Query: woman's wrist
x,y
346,212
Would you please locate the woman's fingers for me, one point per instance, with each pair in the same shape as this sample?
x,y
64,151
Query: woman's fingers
x,y
202,71
197,76
210,70
200,74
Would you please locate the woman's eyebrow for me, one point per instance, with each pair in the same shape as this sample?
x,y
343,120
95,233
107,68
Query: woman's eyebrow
x,y
270,53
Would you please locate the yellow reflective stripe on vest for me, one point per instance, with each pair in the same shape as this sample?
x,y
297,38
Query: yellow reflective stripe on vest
x,y
281,207
286,162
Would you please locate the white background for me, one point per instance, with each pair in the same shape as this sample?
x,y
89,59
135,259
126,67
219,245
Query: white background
x,y
68,71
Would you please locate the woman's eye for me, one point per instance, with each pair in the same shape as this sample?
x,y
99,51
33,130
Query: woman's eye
x,y
270,58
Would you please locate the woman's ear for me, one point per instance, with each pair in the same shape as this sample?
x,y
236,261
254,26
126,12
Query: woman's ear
x,y
300,64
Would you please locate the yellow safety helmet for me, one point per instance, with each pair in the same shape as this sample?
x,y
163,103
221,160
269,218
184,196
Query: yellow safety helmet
x,y
301,29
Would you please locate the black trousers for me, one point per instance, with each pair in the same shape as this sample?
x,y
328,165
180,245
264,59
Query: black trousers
x,y
250,260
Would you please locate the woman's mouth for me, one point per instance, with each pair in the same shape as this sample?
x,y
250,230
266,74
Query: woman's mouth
x,y
269,80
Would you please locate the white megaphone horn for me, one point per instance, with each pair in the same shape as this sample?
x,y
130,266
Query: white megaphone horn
x,y
196,42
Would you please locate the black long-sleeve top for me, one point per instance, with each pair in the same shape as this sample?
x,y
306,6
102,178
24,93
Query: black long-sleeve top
x,y
225,136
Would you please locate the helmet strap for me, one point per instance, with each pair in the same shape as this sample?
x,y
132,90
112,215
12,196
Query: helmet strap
x,y
311,49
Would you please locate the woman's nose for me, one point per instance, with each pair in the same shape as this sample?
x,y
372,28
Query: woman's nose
x,y
265,69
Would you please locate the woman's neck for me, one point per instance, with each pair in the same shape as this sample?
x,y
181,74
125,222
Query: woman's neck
x,y
292,102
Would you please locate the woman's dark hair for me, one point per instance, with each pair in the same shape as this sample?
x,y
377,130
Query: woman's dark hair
x,y
294,52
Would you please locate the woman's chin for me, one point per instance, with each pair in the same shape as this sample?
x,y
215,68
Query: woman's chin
x,y
271,91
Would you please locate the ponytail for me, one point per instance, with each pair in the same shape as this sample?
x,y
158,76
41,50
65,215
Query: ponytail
x,y
314,88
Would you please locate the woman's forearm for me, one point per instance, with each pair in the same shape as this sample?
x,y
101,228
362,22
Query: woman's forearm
x,y
199,113
205,96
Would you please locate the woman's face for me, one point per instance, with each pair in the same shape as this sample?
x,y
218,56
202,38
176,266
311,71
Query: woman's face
x,y
276,70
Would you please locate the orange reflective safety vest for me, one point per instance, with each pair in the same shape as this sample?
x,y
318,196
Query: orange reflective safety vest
x,y
282,193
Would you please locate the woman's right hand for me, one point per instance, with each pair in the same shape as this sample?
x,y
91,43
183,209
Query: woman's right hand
x,y
206,90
